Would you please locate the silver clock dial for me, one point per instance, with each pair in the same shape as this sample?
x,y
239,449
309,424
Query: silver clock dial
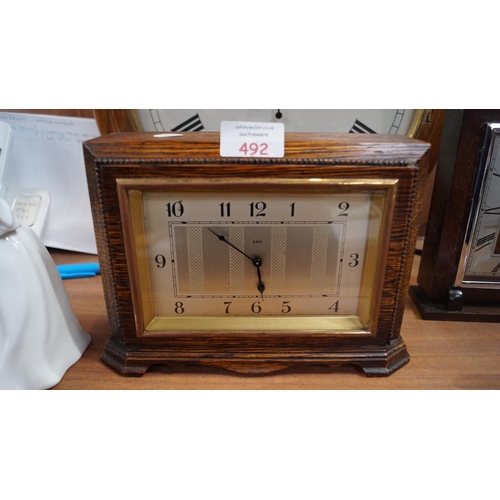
x,y
296,259
480,264
311,251
382,121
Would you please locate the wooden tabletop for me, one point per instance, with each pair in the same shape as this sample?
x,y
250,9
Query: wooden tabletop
x,y
444,355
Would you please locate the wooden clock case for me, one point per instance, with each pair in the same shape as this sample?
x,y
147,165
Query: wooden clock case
x,y
460,153
196,155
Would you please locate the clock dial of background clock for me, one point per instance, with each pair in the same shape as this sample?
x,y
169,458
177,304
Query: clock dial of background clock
x,y
419,124
362,121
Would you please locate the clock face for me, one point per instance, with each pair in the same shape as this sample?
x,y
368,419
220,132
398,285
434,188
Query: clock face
x,y
381,121
480,264
235,254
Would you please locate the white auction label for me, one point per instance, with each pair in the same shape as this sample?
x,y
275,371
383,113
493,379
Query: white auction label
x,y
252,139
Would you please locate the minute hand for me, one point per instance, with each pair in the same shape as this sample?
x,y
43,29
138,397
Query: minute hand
x,y
221,238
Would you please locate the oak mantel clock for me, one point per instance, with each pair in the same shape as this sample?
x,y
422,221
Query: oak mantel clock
x,y
256,264
459,275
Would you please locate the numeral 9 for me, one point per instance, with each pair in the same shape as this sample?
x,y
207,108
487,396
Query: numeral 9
x,y
160,261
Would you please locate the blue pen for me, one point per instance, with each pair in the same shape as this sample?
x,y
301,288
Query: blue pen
x,y
87,270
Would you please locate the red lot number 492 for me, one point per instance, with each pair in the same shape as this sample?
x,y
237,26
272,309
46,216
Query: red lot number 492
x,y
253,148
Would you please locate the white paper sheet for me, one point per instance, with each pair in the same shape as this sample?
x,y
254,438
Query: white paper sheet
x,y
46,153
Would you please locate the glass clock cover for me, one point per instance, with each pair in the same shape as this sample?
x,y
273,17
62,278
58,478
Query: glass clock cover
x,y
248,253
480,260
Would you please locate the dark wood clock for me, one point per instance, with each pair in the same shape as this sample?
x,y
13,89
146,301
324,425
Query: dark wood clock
x,y
459,274
256,264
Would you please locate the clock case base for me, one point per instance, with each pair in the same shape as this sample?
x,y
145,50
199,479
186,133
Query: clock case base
x,y
378,362
437,311
196,155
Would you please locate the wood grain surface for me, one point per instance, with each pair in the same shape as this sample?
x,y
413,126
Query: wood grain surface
x,y
444,355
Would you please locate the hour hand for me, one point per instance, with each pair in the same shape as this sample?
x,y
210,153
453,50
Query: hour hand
x,y
257,262
260,287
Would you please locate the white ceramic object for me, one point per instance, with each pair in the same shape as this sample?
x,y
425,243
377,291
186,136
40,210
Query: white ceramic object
x,y
5,140
40,336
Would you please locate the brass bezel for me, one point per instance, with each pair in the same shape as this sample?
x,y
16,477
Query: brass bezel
x,y
148,325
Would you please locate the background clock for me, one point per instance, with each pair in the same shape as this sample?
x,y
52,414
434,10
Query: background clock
x,y
386,121
459,273
256,264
